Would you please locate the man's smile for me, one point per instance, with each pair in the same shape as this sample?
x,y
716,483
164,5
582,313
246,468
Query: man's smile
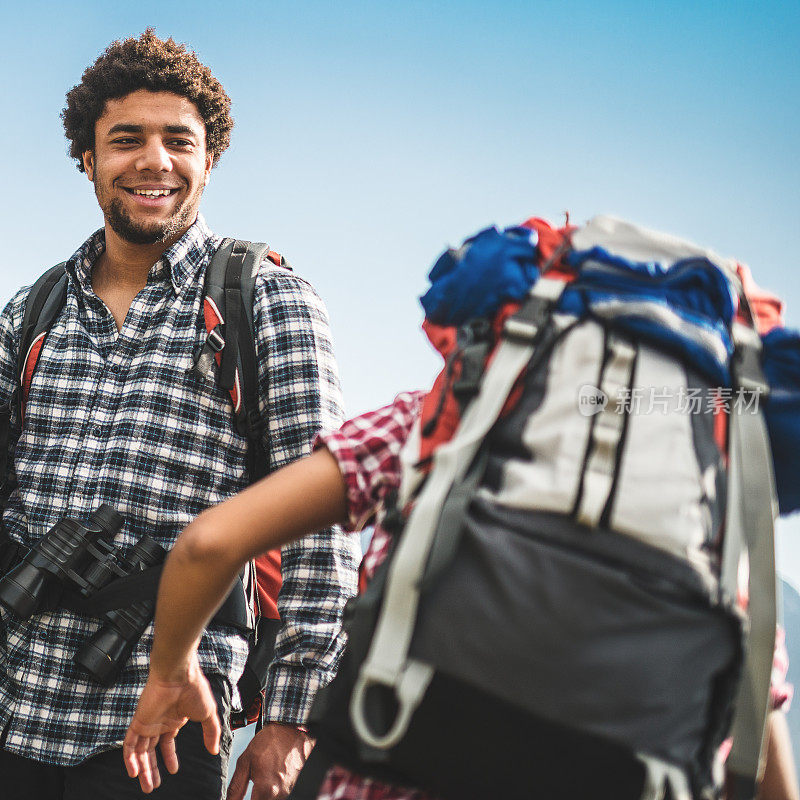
x,y
151,196
150,192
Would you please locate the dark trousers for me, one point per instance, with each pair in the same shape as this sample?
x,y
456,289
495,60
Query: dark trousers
x,y
103,777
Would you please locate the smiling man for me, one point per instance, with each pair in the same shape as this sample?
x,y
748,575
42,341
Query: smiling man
x,y
116,414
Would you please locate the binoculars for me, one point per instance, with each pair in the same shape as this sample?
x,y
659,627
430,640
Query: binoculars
x,y
80,557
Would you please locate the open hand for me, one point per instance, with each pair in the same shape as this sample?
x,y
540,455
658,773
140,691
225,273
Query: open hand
x,y
164,708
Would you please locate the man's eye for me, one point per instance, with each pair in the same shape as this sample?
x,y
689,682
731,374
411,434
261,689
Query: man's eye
x,y
124,140
179,143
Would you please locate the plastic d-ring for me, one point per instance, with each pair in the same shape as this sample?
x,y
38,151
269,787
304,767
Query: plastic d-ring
x,y
409,691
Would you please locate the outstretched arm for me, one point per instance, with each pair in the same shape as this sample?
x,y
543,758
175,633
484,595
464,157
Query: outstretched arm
x,y
780,777
199,572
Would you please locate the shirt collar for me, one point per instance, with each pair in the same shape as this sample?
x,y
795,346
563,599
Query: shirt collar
x,y
180,261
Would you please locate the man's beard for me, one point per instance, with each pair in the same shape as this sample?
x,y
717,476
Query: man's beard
x,y
122,224
153,233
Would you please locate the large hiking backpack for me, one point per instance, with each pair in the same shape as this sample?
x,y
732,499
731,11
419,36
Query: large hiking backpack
x,y
229,354
564,610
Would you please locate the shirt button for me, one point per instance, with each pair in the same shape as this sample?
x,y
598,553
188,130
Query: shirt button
x,y
97,430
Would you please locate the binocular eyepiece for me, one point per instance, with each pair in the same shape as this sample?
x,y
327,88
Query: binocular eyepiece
x,y
79,559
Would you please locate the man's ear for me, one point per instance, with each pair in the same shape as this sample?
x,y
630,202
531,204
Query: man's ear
x,y
209,165
88,163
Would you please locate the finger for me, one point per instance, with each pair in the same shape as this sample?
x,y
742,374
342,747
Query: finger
x,y
129,754
167,745
211,733
240,779
154,773
145,774
147,765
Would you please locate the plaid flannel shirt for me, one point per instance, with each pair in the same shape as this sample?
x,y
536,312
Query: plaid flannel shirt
x,y
121,418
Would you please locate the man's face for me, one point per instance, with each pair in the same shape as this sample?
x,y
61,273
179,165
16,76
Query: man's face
x,y
149,165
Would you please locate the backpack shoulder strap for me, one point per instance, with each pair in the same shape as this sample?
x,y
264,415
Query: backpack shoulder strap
x,y
229,293
228,315
43,305
750,528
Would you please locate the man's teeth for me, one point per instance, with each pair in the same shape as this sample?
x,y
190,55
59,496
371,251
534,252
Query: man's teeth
x,y
152,192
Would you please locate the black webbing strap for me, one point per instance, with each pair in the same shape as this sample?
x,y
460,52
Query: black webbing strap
x,y
230,283
45,300
249,420
232,314
5,439
143,585
254,675
529,323
34,320
250,414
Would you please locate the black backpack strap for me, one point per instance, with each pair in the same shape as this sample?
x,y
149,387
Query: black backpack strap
x,y
250,415
45,300
230,286
143,586
254,675
228,306
43,304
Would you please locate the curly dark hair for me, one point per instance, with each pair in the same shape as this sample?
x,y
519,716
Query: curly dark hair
x,y
146,63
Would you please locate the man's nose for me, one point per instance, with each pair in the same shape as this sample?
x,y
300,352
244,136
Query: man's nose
x,y
154,157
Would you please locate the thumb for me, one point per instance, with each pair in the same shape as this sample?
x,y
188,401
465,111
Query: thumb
x,y
240,779
211,733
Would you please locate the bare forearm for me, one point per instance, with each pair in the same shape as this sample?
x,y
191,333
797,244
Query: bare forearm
x,y
780,776
298,499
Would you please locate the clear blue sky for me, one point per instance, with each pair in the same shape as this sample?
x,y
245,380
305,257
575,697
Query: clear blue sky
x,y
370,135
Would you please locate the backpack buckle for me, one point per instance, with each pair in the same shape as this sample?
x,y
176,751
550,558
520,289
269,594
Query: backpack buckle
x,y
206,353
527,324
215,340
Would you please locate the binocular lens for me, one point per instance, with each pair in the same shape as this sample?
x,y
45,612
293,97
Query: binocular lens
x,y
104,655
22,589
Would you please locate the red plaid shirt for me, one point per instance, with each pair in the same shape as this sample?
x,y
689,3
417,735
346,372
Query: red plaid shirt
x,y
367,449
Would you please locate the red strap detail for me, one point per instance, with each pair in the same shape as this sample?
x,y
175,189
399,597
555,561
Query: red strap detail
x,y
550,239
212,317
30,366
268,578
766,307
274,257
363,580
721,419
444,340
248,717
